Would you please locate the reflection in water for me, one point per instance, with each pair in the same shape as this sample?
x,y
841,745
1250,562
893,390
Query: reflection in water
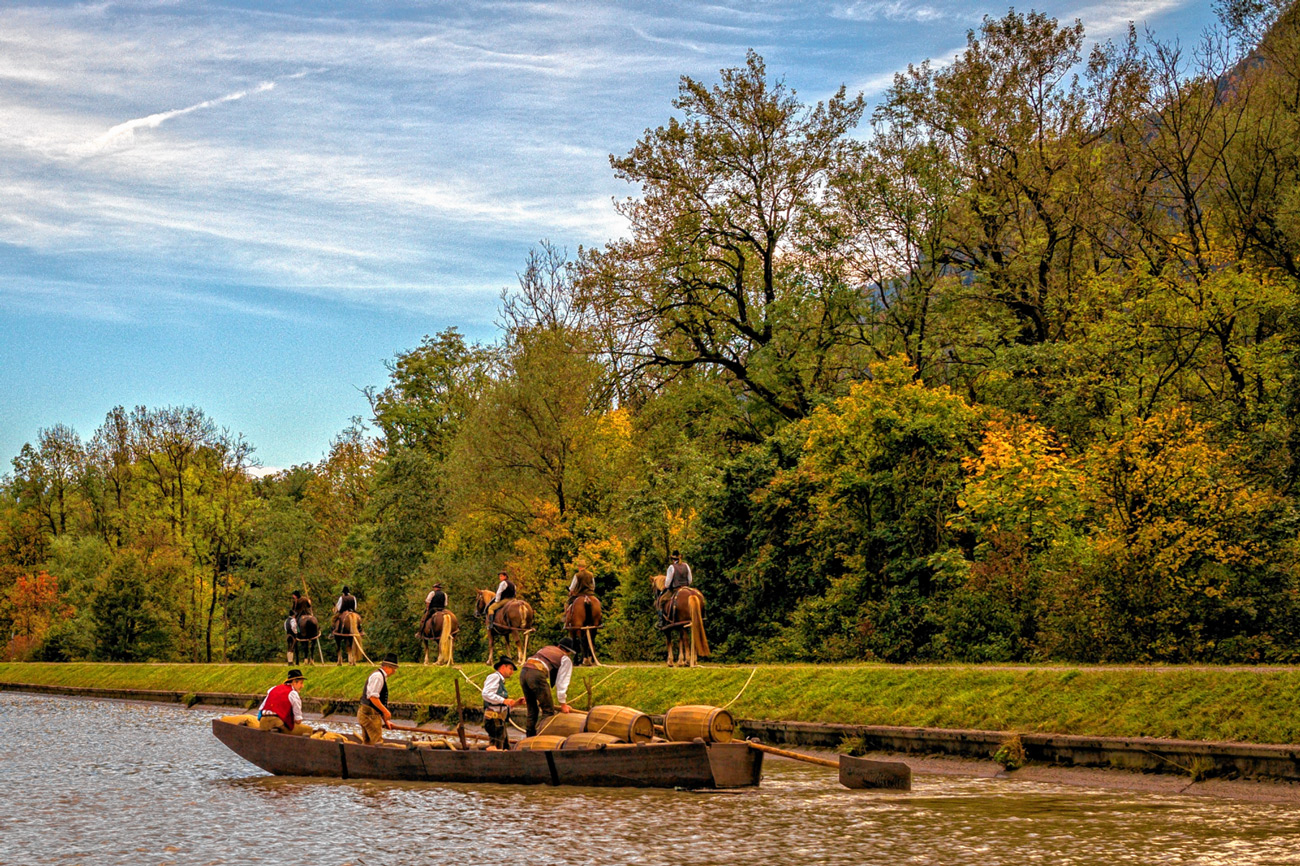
x,y
99,782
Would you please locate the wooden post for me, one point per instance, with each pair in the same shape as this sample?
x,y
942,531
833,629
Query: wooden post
x,y
587,680
460,717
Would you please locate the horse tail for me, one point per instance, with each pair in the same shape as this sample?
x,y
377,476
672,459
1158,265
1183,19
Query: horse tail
x,y
700,639
446,639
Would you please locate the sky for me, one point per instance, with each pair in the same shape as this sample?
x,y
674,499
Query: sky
x,y
250,206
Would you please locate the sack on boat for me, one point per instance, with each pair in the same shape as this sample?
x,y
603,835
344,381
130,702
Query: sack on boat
x,y
442,743
330,736
242,720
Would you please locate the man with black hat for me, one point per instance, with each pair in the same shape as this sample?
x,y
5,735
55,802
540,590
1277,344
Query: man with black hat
x,y
281,709
496,705
549,666
347,601
373,714
436,600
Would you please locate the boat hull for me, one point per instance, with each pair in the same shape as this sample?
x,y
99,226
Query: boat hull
x,y
650,765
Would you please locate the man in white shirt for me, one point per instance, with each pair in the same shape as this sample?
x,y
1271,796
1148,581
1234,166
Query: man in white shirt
x,y
281,709
373,714
496,704
505,592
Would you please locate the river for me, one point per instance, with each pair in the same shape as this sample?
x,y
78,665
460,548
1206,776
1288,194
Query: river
x,y
104,782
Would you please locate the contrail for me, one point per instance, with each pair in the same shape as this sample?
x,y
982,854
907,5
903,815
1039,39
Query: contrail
x,y
125,132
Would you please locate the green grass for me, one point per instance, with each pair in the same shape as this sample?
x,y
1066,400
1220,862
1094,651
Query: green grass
x,y
1254,705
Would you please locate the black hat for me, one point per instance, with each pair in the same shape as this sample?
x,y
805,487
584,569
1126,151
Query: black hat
x,y
346,590
294,674
504,660
389,659
437,586
295,592
567,645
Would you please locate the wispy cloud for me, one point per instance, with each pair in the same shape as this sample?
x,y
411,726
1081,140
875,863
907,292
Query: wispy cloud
x,y
123,135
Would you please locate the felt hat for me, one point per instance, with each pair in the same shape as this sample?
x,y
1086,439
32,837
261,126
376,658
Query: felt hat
x,y
437,586
389,659
567,645
504,660
294,674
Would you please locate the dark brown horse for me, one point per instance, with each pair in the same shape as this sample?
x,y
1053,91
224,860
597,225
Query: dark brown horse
x,y
442,626
347,636
683,614
513,621
300,631
581,618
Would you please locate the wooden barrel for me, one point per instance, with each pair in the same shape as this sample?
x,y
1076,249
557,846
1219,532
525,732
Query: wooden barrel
x,y
711,724
562,724
590,741
629,725
540,743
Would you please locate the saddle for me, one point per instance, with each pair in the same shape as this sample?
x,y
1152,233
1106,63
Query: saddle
x,y
667,604
581,598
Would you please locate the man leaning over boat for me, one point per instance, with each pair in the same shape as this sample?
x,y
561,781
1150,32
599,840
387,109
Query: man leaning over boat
x,y
373,714
281,709
549,666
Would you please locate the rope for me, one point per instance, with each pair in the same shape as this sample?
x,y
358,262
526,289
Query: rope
x,y
742,689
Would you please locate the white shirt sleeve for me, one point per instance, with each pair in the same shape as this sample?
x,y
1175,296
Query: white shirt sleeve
x,y
573,584
262,708
501,587
295,701
374,685
428,599
338,605
668,575
562,678
490,694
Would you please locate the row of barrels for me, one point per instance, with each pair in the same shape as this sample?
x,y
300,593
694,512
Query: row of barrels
x,y
612,725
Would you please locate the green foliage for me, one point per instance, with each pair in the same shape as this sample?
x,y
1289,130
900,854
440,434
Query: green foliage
x,y
132,620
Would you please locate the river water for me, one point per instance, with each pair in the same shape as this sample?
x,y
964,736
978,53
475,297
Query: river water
x,y
105,782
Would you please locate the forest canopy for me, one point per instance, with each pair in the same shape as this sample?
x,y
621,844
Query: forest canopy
x,y
1005,369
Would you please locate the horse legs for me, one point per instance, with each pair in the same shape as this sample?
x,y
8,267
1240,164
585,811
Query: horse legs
x,y
426,651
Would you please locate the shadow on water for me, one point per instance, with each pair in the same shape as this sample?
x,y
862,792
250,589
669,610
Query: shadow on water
x,y
109,783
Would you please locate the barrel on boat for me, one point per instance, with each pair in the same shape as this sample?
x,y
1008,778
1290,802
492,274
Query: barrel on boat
x,y
562,724
590,741
711,724
629,725
540,743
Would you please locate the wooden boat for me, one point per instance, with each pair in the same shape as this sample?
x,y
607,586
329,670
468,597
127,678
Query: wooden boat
x,y
648,765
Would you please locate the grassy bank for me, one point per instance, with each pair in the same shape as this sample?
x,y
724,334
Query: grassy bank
x,y
1234,704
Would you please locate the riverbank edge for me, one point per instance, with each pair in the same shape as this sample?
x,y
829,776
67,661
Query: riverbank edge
x,y
1194,759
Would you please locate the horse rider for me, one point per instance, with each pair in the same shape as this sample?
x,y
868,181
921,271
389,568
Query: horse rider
x,y
435,601
549,666
347,601
281,709
373,714
299,605
677,576
497,704
583,583
505,592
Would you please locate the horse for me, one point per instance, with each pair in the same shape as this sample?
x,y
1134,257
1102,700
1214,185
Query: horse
x,y
442,626
347,636
512,621
299,630
581,618
683,613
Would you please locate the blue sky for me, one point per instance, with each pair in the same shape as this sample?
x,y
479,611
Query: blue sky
x,y
248,207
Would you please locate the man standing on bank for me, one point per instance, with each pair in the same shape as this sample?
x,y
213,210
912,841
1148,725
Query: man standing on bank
x,y
550,666
281,709
373,714
496,705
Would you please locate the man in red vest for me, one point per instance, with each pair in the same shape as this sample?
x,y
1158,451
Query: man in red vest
x,y
281,710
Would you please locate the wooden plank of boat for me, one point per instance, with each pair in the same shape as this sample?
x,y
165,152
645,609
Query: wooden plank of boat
x,y
653,765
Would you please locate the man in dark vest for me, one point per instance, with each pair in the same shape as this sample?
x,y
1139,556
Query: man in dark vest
x,y
497,704
435,601
549,666
347,601
373,714
505,592
677,576
281,709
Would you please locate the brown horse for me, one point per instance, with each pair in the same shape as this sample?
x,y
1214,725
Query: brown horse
x,y
581,618
513,621
347,636
442,626
683,613
299,631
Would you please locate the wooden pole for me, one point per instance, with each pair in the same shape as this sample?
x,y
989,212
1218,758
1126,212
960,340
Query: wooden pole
x,y
797,756
415,730
460,716
587,680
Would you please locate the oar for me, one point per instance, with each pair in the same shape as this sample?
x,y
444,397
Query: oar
x,y
415,730
854,772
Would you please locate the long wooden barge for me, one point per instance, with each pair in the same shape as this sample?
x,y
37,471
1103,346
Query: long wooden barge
x,y
694,765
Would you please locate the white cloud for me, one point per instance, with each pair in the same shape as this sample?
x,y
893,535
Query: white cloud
x,y
890,10
123,135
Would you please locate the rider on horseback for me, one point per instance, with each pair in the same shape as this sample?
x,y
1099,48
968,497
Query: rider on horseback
x,y
505,592
677,576
347,601
435,601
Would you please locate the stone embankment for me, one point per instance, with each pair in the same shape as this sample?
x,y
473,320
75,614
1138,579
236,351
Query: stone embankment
x,y
1196,758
